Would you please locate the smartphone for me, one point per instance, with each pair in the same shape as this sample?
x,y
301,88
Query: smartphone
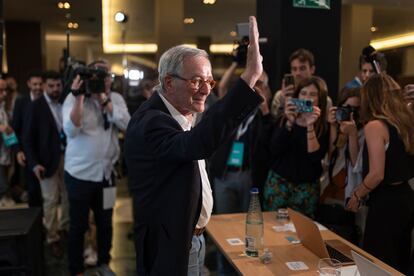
x,y
302,106
288,80
242,29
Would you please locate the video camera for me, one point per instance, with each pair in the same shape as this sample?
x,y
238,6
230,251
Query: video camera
x,y
240,51
93,79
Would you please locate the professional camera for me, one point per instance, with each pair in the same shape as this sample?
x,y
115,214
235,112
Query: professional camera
x,y
343,113
93,79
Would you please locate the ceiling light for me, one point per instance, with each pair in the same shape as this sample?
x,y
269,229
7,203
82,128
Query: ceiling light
x,y
374,29
188,20
73,25
221,48
66,5
60,5
233,33
393,41
209,2
121,17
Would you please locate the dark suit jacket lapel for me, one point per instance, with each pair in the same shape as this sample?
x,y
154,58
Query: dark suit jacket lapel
x,y
48,113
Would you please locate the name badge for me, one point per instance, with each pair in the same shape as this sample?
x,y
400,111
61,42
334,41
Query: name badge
x,y
109,196
10,139
236,155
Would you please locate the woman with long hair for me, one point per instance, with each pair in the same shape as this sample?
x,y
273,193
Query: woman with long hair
x,y
388,164
345,143
298,143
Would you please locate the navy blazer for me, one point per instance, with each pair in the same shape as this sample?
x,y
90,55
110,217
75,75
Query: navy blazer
x,y
41,138
165,178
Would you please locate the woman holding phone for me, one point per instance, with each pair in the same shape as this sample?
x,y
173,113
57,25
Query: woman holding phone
x,y
298,143
388,162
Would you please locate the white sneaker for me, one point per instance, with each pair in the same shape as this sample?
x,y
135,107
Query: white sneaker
x,y
24,197
90,256
7,202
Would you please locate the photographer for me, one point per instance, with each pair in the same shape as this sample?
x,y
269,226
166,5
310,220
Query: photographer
x,y
298,144
232,181
345,141
92,118
370,62
302,66
388,159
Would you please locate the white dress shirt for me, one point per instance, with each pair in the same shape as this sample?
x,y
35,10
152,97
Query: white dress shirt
x,y
56,109
207,194
91,150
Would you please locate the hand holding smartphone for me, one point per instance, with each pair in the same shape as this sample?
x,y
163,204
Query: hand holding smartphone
x,y
302,106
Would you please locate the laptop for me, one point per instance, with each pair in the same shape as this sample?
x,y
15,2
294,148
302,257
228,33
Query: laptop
x,y
366,267
311,238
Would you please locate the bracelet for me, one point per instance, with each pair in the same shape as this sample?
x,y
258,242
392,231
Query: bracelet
x,y
365,186
76,92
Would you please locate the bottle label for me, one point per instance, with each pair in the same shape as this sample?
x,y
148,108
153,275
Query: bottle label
x,y
250,243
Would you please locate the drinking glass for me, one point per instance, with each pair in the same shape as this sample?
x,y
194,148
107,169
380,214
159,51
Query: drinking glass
x,y
329,267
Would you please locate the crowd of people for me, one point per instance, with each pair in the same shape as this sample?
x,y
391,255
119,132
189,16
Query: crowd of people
x,y
298,147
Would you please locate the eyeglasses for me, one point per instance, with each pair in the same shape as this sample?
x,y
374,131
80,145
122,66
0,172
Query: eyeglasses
x,y
197,82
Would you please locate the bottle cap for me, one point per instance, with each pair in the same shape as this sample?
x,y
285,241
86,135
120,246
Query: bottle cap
x,y
254,190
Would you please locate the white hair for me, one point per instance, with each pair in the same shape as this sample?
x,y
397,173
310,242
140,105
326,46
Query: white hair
x,y
171,61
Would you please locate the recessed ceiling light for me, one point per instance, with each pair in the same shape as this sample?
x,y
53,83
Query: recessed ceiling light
x,y
209,2
374,29
60,5
121,17
233,33
188,20
66,5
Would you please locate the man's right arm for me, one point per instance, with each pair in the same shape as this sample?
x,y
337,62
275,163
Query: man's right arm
x,y
72,111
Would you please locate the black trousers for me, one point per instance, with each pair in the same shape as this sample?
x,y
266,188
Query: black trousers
x,y
85,195
389,224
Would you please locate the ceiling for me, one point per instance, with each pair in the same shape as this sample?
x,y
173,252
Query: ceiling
x,y
215,21
87,13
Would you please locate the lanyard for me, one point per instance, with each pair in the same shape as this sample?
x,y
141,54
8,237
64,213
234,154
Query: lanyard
x,y
244,126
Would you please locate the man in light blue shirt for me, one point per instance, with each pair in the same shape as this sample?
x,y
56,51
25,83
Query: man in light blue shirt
x,y
92,124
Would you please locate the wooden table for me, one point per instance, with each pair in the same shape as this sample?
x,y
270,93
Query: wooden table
x,y
222,227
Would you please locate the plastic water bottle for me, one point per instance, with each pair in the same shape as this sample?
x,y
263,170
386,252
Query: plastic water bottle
x,y
254,225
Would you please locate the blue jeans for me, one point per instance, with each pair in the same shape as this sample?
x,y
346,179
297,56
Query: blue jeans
x,y
197,255
85,195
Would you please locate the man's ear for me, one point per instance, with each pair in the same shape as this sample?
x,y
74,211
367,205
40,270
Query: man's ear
x,y
312,69
168,83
